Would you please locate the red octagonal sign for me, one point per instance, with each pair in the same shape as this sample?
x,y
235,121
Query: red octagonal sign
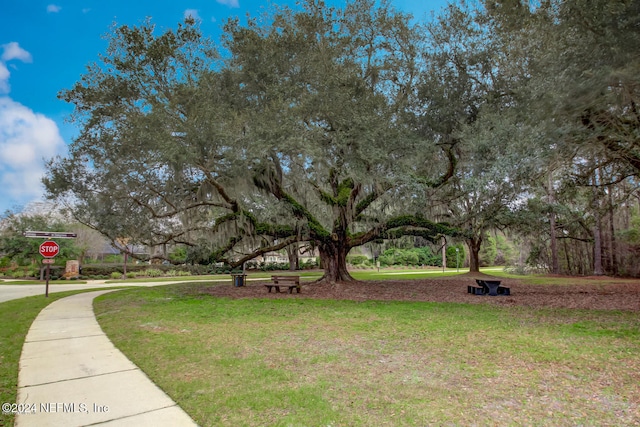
x,y
49,249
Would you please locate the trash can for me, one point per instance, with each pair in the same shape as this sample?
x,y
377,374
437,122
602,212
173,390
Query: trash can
x,y
238,279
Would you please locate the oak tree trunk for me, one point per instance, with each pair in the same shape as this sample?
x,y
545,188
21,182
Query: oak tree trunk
x,y
334,262
474,244
292,254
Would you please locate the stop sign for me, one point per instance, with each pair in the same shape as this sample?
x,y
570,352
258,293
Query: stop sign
x,y
49,249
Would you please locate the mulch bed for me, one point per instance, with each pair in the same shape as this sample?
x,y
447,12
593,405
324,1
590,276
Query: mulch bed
x,y
614,295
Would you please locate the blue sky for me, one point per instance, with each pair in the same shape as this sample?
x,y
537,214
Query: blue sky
x,y
45,47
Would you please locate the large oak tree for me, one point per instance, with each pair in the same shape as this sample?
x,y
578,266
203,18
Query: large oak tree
x,y
307,128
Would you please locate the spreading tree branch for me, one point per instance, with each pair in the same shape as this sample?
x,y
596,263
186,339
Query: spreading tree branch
x,y
267,180
406,225
261,251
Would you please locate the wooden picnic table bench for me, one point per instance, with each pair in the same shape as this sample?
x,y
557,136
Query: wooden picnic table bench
x,y
291,282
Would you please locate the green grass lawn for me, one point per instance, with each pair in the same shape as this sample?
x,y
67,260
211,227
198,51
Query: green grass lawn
x,y
219,277
403,274
303,362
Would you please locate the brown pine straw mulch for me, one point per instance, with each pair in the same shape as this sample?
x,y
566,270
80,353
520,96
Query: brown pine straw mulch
x,y
612,294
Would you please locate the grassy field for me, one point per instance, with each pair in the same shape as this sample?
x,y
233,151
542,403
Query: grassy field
x,y
541,279
303,362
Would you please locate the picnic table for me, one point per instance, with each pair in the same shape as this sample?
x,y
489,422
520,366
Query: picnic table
x,y
290,282
488,287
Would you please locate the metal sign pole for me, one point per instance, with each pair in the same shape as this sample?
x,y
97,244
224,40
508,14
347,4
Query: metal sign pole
x,y
46,292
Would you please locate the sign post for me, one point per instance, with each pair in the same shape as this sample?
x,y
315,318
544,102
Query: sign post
x,y
48,250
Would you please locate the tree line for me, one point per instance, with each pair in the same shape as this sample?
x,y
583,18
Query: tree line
x,y
347,126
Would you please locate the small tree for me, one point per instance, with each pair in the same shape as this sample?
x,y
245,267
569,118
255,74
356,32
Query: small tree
x,y
24,251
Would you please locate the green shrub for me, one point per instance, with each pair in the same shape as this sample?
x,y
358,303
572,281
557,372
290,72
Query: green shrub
x,y
116,275
131,275
271,266
179,255
357,259
153,272
410,258
107,269
454,259
115,259
386,260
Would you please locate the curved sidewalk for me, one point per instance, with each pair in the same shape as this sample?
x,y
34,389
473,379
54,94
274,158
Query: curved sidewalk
x,y
72,375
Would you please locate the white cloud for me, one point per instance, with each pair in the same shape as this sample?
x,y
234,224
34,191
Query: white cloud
x,y
4,79
26,138
53,8
230,3
10,51
14,51
192,13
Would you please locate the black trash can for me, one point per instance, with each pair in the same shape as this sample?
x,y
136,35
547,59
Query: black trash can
x,y
238,279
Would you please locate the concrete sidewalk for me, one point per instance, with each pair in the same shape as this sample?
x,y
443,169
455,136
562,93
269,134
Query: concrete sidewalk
x,y
72,375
